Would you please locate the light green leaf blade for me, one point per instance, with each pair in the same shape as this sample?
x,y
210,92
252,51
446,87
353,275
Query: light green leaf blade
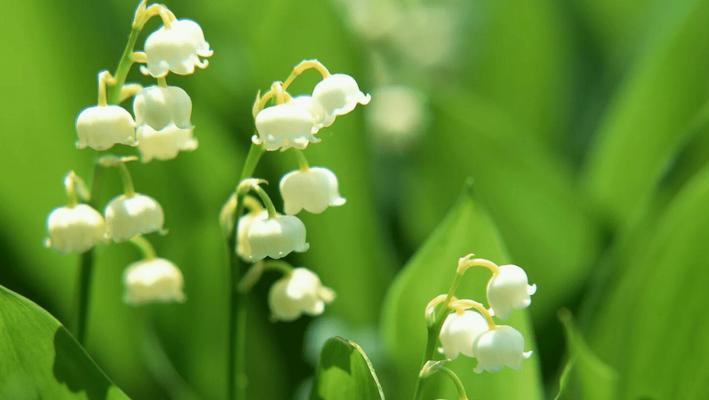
x,y
595,380
650,117
527,190
345,373
466,229
40,359
650,325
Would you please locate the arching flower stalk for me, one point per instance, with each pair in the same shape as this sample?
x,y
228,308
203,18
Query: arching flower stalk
x,y
160,128
256,231
467,327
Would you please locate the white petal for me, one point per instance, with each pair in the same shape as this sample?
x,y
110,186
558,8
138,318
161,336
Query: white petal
x,y
131,215
154,280
101,127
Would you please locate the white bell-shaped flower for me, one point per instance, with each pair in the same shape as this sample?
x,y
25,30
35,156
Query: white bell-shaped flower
x,y
339,94
75,229
509,290
274,237
159,107
164,144
284,126
100,127
151,281
132,215
459,332
176,49
322,118
243,248
163,118
498,348
297,293
313,189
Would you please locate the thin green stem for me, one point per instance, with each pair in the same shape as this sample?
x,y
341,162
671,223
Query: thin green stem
x,y
266,199
303,164
456,381
434,330
236,345
86,265
124,64
128,188
145,247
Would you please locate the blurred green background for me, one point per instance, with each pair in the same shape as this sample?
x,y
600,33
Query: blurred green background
x,y
583,124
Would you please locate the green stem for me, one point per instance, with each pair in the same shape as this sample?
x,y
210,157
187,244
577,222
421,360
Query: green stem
x,y
124,65
86,265
236,345
456,381
302,161
434,331
128,188
144,246
266,199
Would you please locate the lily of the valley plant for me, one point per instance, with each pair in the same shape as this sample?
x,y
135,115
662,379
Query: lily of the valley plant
x,y
467,327
259,235
159,129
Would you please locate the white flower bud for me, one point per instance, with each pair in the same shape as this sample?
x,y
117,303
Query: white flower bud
x,y
132,215
100,127
287,125
75,229
296,293
176,49
164,144
243,248
498,348
508,290
159,107
459,332
273,237
153,280
339,94
313,190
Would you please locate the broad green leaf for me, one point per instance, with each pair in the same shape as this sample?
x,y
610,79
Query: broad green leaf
x,y
466,229
41,360
651,324
650,116
528,191
595,380
345,373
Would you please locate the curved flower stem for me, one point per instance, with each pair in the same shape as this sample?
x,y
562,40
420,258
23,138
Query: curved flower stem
x,y
304,66
236,336
302,161
456,381
145,247
86,266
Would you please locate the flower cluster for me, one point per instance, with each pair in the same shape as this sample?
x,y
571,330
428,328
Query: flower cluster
x,y
160,128
470,329
292,123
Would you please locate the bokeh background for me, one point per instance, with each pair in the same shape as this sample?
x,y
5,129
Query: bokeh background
x,y
583,125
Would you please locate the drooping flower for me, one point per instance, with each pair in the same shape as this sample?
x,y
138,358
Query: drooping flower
x,y
459,332
163,118
339,94
100,127
500,347
176,48
284,126
153,280
299,292
129,215
322,118
159,107
509,290
243,248
75,229
274,237
313,189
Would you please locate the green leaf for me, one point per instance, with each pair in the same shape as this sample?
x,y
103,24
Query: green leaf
x,y
651,115
345,373
430,272
40,359
527,190
596,380
651,323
